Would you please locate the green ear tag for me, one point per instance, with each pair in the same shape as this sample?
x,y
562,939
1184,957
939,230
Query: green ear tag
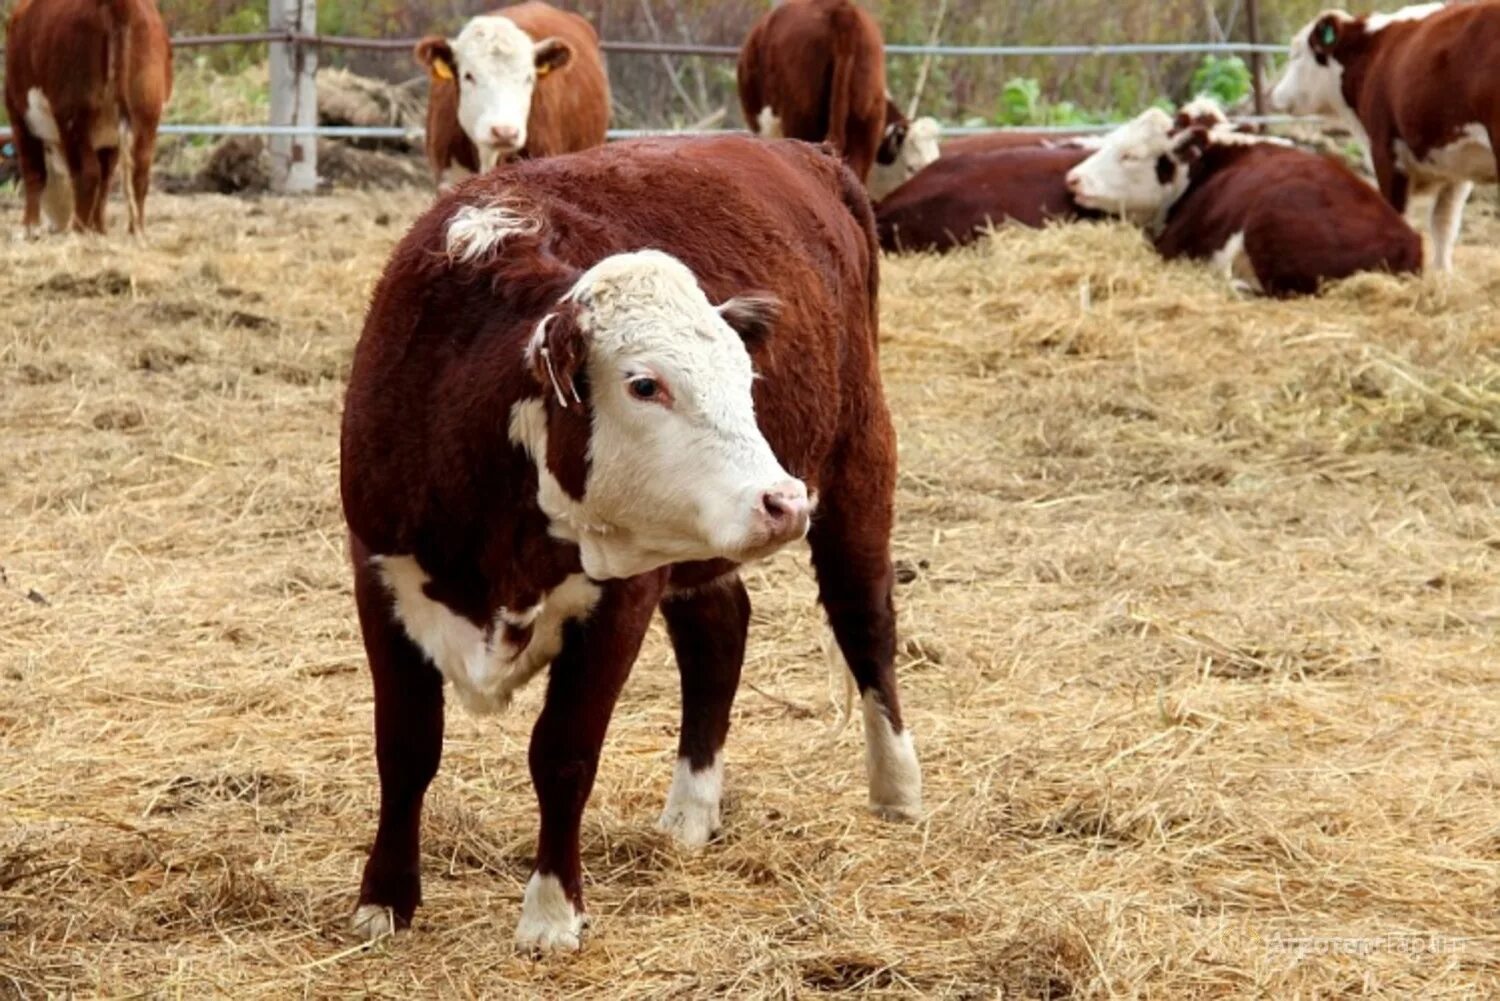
x,y
1328,34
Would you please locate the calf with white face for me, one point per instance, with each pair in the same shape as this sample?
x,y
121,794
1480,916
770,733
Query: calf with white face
x,y
678,470
1133,172
496,66
905,149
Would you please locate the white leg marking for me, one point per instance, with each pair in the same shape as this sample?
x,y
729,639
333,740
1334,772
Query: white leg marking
x,y
1447,217
891,760
373,921
548,921
57,196
692,812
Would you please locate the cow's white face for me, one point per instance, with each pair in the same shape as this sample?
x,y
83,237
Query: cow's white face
x,y
497,69
677,466
1133,173
902,157
1312,83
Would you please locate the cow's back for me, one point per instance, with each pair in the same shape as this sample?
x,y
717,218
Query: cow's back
x,y
570,106
1434,76
950,202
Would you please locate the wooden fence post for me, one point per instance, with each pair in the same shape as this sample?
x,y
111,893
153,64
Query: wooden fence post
x,y
294,98
1252,15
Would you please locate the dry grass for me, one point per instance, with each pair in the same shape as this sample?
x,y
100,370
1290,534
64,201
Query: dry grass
x,y
1198,646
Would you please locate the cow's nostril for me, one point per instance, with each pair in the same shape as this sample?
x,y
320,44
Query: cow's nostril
x,y
775,505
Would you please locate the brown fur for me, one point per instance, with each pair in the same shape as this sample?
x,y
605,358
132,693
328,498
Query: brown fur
x,y
819,65
1419,82
428,468
569,108
952,201
989,142
1306,218
92,59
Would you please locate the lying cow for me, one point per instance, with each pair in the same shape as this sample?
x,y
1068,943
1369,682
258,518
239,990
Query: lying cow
x,y
85,84
1417,88
1279,218
906,147
815,70
550,432
955,200
524,81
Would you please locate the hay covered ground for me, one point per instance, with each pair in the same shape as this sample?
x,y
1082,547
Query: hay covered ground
x,y
1198,645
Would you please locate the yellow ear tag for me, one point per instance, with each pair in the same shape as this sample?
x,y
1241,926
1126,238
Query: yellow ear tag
x,y
442,70
543,70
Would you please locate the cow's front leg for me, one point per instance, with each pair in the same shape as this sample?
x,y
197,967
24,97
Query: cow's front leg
x,y
708,627
584,682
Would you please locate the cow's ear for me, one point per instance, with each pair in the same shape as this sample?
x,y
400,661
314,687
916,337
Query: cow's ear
x,y
751,315
436,54
891,143
552,54
557,353
1325,35
1191,145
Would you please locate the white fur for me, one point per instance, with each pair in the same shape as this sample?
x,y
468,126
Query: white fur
x,y
549,922
768,124
497,77
1308,88
1447,216
1204,107
1416,12
478,231
692,812
919,149
891,762
373,921
1469,157
484,670
57,196
666,483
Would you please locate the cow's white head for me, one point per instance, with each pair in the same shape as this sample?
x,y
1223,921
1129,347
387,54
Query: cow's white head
x,y
905,148
1136,172
645,439
1312,83
495,66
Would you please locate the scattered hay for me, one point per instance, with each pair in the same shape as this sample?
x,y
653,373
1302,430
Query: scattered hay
x,y
1197,600
347,99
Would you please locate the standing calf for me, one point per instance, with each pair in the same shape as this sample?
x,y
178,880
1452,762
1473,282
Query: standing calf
x,y
85,83
552,431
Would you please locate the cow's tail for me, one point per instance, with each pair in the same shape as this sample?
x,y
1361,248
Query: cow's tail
x,y
117,75
845,29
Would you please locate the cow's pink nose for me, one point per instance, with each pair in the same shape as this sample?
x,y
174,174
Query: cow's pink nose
x,y
785,510
505,135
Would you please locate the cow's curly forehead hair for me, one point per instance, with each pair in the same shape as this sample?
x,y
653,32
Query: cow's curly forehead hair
x,y
621,289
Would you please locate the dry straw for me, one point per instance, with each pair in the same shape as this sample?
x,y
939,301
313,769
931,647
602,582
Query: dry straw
x,y
1197,639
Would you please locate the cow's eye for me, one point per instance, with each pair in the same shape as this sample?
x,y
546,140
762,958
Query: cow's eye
x,y
645,388
468,77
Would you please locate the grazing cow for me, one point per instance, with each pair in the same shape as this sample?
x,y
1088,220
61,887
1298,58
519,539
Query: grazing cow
x,y
550,431
906,147
1279,218
1418,88
815,70
956,199
527,81
85,83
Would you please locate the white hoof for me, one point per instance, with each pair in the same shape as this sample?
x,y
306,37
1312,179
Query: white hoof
x,y
549,922
691,816
891,761
373,921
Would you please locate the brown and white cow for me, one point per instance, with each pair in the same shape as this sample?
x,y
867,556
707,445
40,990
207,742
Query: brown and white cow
x,y
85,83
1419,88
1279,218
551,432
955,200
815,70
527,80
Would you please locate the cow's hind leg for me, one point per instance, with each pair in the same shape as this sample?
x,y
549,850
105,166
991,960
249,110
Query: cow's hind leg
x,y
142,138
1447,217
584,682
109,159
31,157
850,540
408,747
708,626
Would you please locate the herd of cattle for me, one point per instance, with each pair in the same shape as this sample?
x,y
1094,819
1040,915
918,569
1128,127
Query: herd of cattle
x,y
590,386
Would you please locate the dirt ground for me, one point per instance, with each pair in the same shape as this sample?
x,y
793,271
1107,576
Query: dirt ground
x,y
1198,613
